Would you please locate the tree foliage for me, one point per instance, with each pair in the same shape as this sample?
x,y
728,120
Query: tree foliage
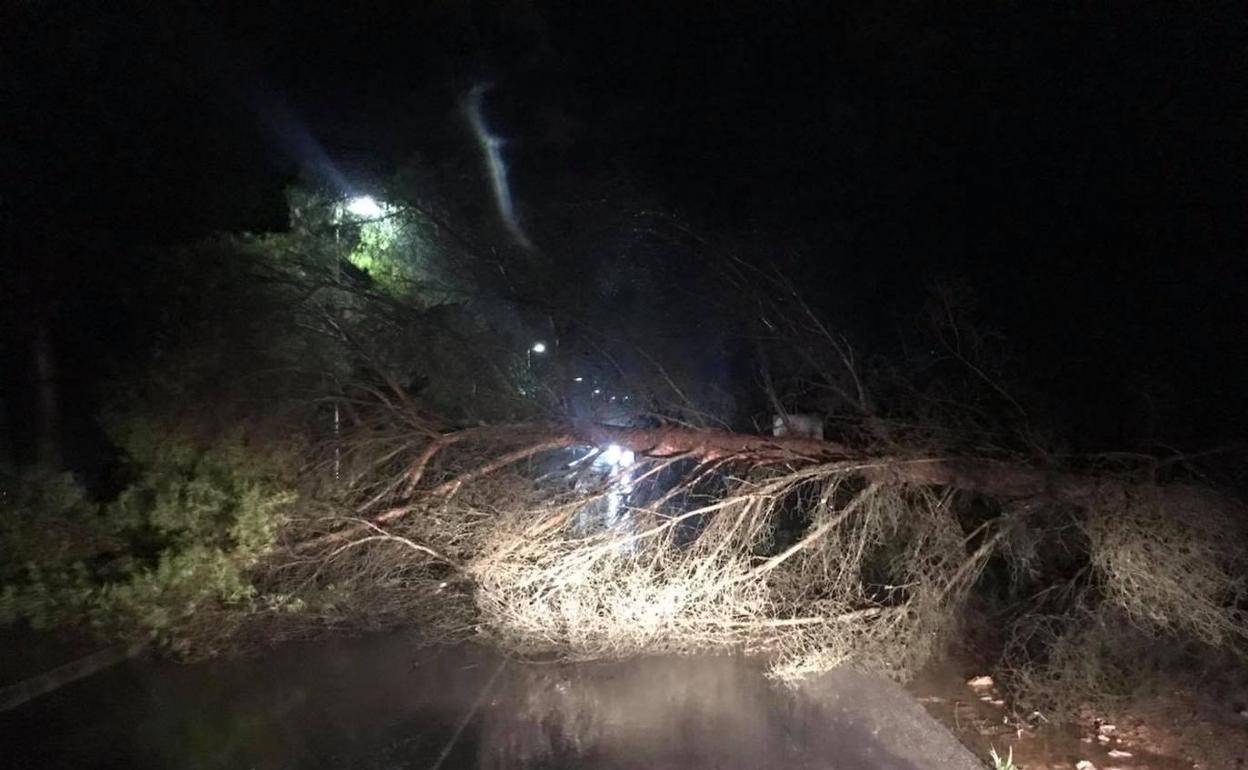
x,y
348,425
179,540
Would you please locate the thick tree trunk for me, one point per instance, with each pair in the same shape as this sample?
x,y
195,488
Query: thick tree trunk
x,y
7,453
998,479
47,402
1002,480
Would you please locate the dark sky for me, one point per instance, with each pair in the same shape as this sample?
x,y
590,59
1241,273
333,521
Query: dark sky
x,y
1081,168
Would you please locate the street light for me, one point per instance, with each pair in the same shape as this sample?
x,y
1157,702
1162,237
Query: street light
x,y
538,347
364,207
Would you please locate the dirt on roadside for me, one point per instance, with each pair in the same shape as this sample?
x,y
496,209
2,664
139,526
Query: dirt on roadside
x,y
1203,728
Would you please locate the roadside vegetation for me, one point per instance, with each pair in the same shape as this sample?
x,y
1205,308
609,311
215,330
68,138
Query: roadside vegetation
x,y
380,421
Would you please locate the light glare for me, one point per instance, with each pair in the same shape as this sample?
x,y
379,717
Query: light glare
x,y
617,456
364,206
539,347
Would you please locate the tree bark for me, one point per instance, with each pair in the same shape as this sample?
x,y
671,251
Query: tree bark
x,y
1004,480
999,479
47,401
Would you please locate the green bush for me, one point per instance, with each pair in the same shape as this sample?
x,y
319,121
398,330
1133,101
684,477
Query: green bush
x,y
180,539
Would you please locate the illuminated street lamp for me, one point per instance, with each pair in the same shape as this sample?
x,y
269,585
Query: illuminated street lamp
x,y
538,347
364,207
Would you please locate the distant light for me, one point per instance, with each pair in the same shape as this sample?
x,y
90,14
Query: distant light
x,y
365,207
617,456
597,391
578,379
539,347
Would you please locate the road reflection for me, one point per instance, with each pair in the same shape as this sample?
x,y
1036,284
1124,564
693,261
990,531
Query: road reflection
x,y
382,702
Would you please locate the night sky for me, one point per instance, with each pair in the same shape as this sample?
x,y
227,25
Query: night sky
x,y
1081,169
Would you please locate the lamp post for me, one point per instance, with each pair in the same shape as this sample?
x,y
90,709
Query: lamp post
x,y
539,348
361,207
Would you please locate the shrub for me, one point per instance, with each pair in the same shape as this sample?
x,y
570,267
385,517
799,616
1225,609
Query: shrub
x,y
180,539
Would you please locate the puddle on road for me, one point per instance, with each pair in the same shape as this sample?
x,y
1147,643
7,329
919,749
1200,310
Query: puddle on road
x,y
379,702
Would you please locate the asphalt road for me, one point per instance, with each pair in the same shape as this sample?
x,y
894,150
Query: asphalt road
x,y
380,702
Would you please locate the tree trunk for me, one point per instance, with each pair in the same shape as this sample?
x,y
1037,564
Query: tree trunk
x,y
1007,481
47,402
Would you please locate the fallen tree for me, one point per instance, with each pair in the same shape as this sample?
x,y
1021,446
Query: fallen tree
x,y
448,483
812,552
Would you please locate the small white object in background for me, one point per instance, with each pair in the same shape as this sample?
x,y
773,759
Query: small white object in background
x,y
980,681
797,426
1084,764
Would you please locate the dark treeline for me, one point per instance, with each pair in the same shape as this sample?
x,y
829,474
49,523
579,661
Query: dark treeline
x,y
1077,172
989,256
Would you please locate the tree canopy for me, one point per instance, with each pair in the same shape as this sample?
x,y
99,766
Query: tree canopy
x,y
398,414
